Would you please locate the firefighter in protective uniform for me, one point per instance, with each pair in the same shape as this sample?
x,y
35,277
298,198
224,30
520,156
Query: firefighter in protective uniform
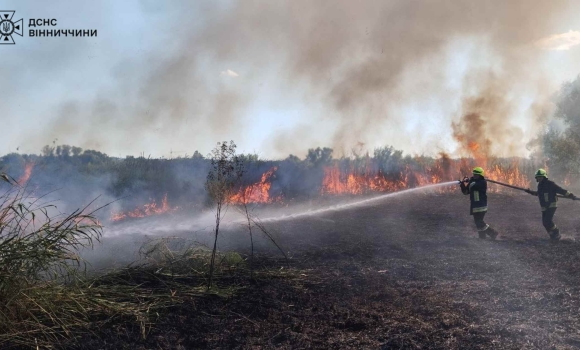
x,y
547,191
476,188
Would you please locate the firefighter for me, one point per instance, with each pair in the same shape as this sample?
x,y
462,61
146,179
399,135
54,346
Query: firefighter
x,y
547,191
476,187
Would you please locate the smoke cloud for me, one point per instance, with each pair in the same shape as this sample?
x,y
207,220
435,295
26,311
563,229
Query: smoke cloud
x,y
564,41
466,67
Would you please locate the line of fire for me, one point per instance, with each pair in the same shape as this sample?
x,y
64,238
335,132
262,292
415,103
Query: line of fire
x,y
179,186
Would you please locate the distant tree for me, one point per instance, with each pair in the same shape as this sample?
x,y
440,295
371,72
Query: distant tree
x,y
93,157
249,158
319,156
562,145
388,159
65,150
197,155
293,159
76,151
13,159
225,172
47,151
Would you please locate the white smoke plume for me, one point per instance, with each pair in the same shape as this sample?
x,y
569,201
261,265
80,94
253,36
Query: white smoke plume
x,y
375,72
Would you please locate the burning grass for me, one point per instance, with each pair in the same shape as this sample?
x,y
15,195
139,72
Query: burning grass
x,y
361,176
178,183
258,192
27,173
149,209
354,179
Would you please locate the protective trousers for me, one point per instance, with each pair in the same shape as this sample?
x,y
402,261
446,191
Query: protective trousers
x,y
479,223
482,227
548,222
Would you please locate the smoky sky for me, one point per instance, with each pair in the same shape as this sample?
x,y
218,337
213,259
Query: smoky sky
x,y
280,77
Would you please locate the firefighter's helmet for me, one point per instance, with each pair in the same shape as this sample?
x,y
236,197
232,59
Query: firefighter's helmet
x,y
541,173
478,171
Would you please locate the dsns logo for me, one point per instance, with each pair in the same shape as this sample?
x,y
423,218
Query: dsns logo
x,y
7,27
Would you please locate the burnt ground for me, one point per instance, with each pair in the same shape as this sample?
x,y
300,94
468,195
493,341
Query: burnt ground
x,y
403,273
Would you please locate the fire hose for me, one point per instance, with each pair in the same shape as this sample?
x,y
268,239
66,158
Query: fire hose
x,y
523,189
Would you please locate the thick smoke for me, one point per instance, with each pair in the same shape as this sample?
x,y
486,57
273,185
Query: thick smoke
x,y
356,64
485,129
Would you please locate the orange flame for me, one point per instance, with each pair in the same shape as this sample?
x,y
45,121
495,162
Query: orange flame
x,y
27,172
148,209
510,174
351,181
257,192
337,181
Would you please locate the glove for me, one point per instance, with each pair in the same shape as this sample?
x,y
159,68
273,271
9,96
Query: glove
x,y
571,195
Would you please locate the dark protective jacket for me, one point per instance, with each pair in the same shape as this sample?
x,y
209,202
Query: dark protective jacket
x,y
477,191
547,191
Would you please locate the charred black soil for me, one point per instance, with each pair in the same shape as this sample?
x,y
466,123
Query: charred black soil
x,y
403,273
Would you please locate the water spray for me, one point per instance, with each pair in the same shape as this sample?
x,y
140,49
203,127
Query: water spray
x,y
354,204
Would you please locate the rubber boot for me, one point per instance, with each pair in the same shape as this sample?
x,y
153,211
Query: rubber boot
x,y
555,235
491,233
